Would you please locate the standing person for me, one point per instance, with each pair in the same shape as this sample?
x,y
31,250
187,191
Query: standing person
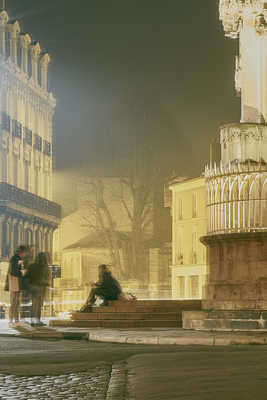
x,y
107,287
39,280
15,278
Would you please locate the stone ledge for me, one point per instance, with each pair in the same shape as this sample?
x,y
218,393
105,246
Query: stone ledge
x,y
228,320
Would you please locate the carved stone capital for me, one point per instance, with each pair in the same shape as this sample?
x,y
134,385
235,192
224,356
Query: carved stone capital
x,y
25,41
4,18
14,29
35,51
232,14
45,60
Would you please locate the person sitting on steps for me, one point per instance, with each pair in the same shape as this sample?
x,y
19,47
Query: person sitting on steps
x,y
107,287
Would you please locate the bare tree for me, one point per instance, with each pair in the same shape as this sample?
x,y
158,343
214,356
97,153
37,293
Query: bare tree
x,y
99,219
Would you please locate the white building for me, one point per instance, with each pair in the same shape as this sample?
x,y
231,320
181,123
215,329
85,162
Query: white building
x,y
27,213
188,226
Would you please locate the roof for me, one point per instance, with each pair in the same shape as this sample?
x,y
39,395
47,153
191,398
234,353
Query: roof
x,y
95,240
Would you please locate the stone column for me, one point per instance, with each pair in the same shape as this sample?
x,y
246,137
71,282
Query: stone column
x,y
21,235
35,55
12,222
14,30
25,41
50,237
44,62
34,242
3,28
2,241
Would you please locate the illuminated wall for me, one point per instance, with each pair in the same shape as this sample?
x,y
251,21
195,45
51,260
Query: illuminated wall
x,y
188,226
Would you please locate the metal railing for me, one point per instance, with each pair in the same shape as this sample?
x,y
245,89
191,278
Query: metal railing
x,y
29,200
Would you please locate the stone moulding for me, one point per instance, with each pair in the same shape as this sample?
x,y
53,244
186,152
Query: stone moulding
x,y
211,240
232,12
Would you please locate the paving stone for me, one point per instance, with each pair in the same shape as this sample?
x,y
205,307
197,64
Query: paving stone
x,y
86,385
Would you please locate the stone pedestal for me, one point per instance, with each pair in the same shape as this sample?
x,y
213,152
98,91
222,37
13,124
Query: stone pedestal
x,y
236,292
237,271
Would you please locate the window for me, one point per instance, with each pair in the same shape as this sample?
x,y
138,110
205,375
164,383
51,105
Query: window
x,y
27,176
38,142
36,181
5,122
28,136
180,209
194,286
47,148
4,167
15,169
179,252
194,205
16,129
181,287
46,186
194,248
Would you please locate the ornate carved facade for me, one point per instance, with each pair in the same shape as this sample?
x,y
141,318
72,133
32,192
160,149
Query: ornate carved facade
x,y
27,213
237,188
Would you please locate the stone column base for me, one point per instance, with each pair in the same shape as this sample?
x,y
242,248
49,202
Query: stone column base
x,y
237,278
223,320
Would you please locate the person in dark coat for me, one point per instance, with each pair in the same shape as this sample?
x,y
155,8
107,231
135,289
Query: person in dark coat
x,y
39,280
107,287
15,282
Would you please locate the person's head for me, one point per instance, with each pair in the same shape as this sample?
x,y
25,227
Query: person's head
x,y
102,269
23,251
41,259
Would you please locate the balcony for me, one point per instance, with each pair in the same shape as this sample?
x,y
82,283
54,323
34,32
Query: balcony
x,y
9,193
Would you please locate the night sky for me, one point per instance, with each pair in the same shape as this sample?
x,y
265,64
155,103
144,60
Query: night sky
x,y
153,72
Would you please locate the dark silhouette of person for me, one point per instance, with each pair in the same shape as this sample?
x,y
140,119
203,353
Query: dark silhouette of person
x,y
39,280
15,283
107,287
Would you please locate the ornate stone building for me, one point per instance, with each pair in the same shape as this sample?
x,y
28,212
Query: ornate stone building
x,y
27,213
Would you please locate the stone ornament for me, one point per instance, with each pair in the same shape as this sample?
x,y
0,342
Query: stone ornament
x,y
35,50
232,14
4,18
45,60
25,40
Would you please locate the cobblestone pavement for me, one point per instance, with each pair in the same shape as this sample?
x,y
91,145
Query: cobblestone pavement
x,y
92,384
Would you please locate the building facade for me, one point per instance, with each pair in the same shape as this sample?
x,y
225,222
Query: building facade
x,y
188,226
27,213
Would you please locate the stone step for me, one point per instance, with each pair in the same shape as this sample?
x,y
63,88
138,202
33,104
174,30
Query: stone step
x,y
135,309
182,304
117,324
127,316
225,320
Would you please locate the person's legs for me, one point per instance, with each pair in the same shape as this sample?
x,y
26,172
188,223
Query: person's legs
x,y
92,296
41,302
17,306
35,305
14,306
90,301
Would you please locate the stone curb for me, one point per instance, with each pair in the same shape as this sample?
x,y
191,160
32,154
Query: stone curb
x,y
208,340
117,387
188,338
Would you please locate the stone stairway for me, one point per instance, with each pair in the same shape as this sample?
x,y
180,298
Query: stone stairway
x,y
132,314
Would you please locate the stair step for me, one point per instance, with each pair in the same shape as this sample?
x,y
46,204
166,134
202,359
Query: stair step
x,y
161,310
117,324
161,303
127,316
